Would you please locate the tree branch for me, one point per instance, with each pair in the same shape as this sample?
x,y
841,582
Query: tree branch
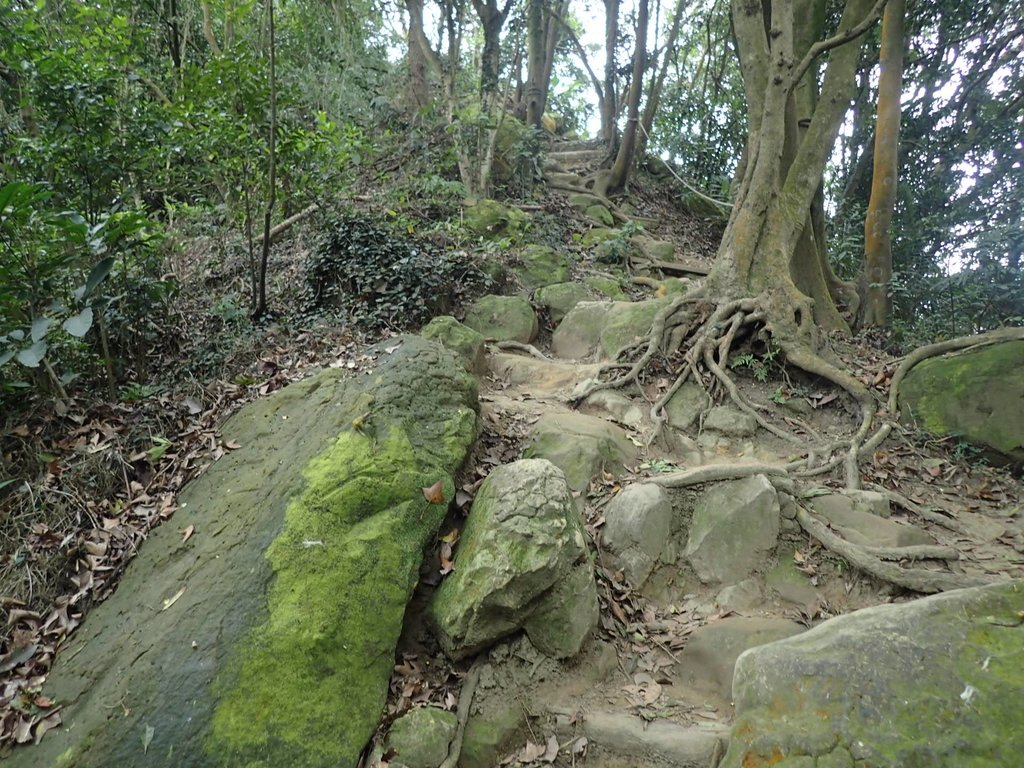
x,y
836,40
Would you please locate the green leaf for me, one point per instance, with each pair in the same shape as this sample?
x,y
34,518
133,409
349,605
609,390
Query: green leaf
x,y
98,275
5,483
40,325
33,356
78,325
7,356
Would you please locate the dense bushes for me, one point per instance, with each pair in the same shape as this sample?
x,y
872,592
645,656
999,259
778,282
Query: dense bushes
x,y
379,277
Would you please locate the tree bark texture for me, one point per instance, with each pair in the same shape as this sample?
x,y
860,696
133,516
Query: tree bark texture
x,y
876,305
761,252
627,149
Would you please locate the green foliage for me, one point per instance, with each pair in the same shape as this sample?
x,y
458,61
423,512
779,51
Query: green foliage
x,y
379,277
61,278
761,366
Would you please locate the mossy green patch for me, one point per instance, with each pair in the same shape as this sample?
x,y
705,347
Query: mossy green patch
x,y
344,567
978,395
941,686
628,322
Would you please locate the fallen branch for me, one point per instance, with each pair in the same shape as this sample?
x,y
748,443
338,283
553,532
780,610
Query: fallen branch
x,y
279,229
916,579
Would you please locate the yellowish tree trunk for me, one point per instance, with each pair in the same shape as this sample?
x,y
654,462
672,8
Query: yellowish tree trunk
x,y
876,305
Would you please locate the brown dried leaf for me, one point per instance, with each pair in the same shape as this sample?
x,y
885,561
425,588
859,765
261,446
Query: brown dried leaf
x,y
434,494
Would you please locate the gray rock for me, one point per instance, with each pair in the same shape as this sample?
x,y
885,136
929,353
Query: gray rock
x,y
861,527
567,616
740,597
579,334
421,736
689,401
933,682
294,588
637,525
503,318
735,526
560,298
460,339
730,421
706,664
581,446
616,406
518,566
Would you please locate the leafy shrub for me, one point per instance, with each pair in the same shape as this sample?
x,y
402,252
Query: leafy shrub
x,y
380,277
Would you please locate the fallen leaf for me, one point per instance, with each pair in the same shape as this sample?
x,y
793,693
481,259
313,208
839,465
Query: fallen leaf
x,y
43,702
147,738
172,600
532,752
434,494
551,750
187,533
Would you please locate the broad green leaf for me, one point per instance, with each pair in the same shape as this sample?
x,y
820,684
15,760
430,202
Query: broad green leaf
x,y
33,356
40,326
98,275
7,355
78,325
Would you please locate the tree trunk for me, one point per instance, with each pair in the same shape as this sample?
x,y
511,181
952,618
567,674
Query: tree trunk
x,y
535,46
492,19
619,174
609,101
658,82
759,254
876,305
421,56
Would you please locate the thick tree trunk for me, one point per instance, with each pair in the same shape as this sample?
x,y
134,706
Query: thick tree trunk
x,y
492,19
876,305
419,53
759,254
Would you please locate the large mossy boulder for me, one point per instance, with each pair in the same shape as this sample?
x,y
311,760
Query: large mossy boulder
x,y
937,682
559,299
522,563
977,395
492,220
542,265
597,330
267,637
503,318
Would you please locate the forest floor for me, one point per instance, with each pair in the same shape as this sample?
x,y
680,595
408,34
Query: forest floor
x,y
102,474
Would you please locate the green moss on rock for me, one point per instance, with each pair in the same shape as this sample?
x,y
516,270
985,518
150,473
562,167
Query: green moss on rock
x,y
542,266
978,395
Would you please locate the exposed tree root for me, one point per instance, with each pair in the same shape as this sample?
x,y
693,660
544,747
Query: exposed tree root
x,y
711,473
518,346
916,579
465,703
921,511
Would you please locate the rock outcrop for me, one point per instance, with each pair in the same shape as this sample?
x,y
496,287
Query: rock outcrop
x,y
522,563
267,637
934,682
977,394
